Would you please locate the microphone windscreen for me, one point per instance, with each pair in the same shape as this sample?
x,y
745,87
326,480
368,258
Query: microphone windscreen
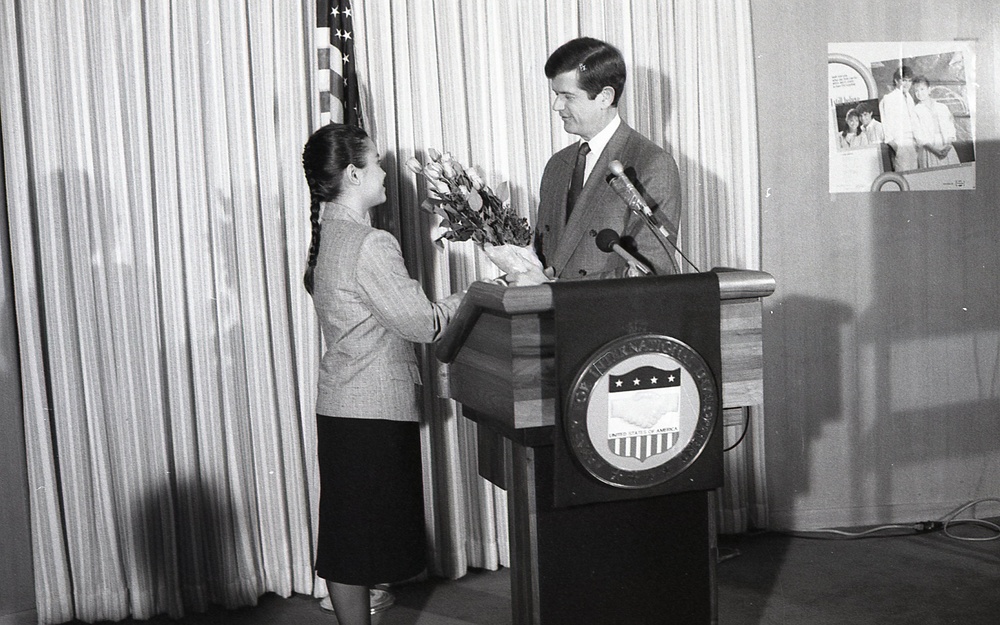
x,y
606,240
616,168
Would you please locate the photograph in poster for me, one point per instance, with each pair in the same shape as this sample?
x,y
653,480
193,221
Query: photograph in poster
x,y
901,116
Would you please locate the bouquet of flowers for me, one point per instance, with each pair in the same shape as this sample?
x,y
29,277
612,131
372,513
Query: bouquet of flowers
x,y
471,210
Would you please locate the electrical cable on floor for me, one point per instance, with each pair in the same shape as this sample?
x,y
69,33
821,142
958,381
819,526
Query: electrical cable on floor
x,y
911,529
949,520
902,529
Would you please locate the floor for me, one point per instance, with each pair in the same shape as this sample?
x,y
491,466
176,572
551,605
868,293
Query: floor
x,y
766,579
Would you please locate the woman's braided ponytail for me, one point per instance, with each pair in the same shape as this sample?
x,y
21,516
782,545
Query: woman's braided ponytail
x,y
326,155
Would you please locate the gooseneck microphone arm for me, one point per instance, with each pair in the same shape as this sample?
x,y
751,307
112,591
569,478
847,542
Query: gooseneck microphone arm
x,y
626,190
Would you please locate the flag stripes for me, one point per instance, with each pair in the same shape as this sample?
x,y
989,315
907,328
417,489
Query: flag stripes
x,y
642,447
336,78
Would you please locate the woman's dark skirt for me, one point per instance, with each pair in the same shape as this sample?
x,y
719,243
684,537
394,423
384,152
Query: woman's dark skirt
x,y
371,503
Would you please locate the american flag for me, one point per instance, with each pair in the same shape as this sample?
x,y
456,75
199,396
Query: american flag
x,y
339,100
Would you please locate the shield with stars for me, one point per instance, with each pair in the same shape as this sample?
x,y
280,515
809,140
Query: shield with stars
x,y
640,410
643,412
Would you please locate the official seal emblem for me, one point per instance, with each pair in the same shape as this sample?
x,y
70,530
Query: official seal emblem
x,y
641,410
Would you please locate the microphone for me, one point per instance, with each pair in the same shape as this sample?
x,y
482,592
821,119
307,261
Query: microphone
x,y
627,191
633,199
607,241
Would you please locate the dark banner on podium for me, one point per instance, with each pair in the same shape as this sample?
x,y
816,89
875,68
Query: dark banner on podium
x,y
638,365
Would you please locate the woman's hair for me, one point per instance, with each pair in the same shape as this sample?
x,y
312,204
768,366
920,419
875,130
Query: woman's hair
x,y
326,155
921,80
849,114
598,65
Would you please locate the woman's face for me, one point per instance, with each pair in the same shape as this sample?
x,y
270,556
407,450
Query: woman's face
x,y
921,92
372,178
853,122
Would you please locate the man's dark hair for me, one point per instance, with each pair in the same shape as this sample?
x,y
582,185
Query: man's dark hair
x,y
903,73
598,65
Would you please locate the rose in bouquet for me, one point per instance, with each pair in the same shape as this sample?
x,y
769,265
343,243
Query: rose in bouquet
x,y
471,210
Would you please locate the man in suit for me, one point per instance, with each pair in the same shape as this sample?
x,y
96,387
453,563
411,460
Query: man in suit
x,y
899,120
587,77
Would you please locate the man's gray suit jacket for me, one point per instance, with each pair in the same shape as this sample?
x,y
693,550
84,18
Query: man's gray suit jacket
x,y
570,247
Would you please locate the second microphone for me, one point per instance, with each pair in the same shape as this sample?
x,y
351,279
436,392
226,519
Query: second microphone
x,y
609,241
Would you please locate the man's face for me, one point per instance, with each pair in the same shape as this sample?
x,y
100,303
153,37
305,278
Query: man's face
x,y
921,92
904,84
866,118
581,115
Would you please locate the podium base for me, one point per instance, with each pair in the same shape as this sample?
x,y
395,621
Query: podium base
x,y
642,561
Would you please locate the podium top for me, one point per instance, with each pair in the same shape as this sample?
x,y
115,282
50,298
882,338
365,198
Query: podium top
x,y
526,300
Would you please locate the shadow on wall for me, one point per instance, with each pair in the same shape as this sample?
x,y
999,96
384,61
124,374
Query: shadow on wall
x,y
932,335
808,378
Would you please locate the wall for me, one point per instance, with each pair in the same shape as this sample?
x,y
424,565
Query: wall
x,y
17,594
882,341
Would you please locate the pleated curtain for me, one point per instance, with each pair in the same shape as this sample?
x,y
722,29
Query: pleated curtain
x,y
158,231
466,77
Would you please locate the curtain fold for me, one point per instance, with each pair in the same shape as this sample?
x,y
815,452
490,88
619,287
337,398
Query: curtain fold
x,y
467,77
168,352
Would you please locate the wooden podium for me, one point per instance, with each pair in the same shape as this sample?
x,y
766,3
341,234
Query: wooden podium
x,y
643,559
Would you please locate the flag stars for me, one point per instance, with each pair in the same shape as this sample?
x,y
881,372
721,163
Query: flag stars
x,y
635,382
335,12
618,383
653,380
671,378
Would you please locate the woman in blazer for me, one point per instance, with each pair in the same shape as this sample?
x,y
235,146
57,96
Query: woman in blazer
x,y
371,312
